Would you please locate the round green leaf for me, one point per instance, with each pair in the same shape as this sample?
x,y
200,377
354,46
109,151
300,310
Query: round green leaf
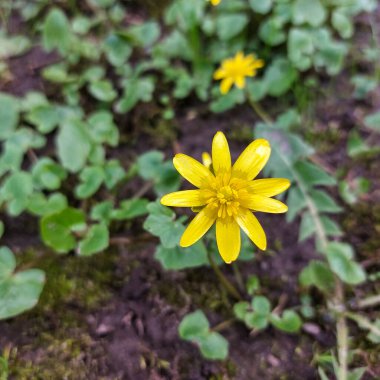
x,y
96,240
194,325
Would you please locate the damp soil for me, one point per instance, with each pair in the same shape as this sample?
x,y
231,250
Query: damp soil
x,y
116,315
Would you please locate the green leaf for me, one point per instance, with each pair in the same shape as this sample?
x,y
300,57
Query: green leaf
x,y
342,23
2,229
117,49
340,258
73,145
102,211
351,191
364,84
194,325
213,346
324,202
356,146
47,174
279,77
114,173
135,90
261,6
168,230
227,101
261,305
240,309
271,31
9,111
56,229
313,175
95,241
256,321
151,166
7,263
318,274
56,33
16,190
230,25
373,121
45,118
289,321
300,48
253,284
20,292
102,90
182,258
131,208
40,205
91,179
145,34
309,12
307,227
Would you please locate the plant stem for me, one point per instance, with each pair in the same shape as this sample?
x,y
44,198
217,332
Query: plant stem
x,y
368,302
224,281
260,111
339,297
238,276
223,325
364,322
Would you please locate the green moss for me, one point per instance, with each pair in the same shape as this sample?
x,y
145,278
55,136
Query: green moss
x,y
75,287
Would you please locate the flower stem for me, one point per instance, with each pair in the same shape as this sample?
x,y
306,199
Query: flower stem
x,y
238,276
260,111
223,279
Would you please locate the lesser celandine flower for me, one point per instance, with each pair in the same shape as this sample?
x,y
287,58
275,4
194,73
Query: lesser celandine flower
x,y
227,195
214,2
234,70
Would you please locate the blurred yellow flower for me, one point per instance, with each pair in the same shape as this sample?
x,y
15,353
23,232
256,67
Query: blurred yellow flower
x,y
227,195
214,2
234,70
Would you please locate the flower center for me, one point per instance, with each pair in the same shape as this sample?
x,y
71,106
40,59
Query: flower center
x,y
224,197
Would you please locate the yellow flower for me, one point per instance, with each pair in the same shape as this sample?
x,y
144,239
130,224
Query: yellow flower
x,y
214,2
227,195
234,70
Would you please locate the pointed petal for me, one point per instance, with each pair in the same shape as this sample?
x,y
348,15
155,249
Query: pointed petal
x,y
186,198
226,85
221,157
206,160
240,82
263,204
192,170
228,239
198,226
252,160
268,187
220,73
252,227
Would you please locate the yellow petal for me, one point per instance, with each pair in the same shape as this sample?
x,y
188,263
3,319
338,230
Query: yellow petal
x,y
192,170
220,73
206,160
226,85
198,226
252,160
268,187
186,198
263,204
252,227
228,239
221,157
240,82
